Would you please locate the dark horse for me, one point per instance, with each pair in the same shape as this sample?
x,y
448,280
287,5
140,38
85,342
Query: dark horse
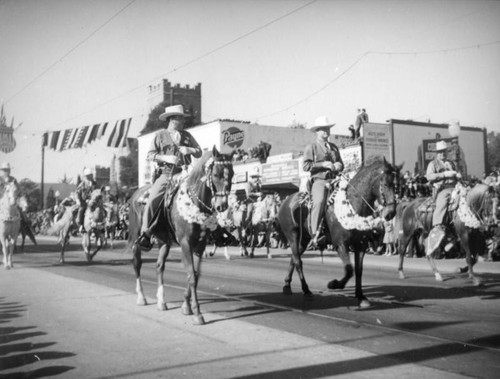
x,y
185,220
375,181
413,221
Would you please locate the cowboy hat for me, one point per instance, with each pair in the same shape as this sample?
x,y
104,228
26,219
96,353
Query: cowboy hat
x,y
5,166
321,123
441,146
174,110
255,173
87,171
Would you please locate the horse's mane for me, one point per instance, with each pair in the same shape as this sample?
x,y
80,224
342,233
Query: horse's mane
x,y
477,195
199,169
371,165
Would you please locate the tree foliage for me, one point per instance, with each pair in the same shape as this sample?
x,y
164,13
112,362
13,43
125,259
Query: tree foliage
x,y
493,142
31,190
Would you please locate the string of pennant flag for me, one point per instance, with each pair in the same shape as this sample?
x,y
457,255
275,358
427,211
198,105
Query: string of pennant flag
x,y
77,138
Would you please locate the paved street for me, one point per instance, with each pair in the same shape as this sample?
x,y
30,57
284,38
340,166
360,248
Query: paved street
x,y
80,321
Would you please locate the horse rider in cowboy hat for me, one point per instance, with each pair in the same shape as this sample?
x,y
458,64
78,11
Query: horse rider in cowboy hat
x,y
322,159
442,174
83,192
171,149
7,179
253,191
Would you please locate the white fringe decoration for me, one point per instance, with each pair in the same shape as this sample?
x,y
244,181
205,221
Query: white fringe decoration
x,y
346,214
191,213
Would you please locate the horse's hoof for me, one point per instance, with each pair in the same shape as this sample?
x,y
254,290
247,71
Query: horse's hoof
x,y
401,275
186,310
198,320
251,255
438,277
141,301
162,306
211,254
477,282
228,257
308,295
334,285
364,304
269,256
287,290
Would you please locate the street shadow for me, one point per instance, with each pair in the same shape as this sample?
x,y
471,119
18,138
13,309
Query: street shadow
x,y
19,348
370,363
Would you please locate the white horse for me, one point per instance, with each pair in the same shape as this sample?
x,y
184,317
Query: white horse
x,y
10,221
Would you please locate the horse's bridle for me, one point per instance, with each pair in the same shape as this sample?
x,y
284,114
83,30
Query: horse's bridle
x,y
210,184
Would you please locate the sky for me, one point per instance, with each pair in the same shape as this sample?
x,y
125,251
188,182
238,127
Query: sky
x,y
69,63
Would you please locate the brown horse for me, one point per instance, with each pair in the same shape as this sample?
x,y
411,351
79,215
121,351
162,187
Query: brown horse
x,y
185,220
413,222
375,181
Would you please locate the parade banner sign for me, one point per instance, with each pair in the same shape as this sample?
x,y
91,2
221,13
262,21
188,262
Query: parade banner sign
x,y
377,141
281,172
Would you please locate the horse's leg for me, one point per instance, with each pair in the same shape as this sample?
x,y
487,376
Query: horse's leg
x,y
358,271
4,252
226,253
348,269
198,317
287,289
243,241
191,264
160,269
296,263
86,243
268,241
403,245
434,269
99,241
254,240
470,257
137,263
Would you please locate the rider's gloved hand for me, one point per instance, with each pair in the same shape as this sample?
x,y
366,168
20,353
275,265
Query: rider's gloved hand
x,y
171,159
329,165
450,174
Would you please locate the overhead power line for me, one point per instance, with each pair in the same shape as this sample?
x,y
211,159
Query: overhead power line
x,y
68,53
214,50
366,54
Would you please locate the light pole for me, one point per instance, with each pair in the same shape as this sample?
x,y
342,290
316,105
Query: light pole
x,y
454,131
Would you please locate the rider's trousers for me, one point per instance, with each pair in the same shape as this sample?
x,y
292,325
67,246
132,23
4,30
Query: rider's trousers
x,y
319,194
442,200
156,193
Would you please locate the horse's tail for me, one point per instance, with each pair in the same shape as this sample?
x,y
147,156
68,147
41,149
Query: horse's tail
x,y
63,222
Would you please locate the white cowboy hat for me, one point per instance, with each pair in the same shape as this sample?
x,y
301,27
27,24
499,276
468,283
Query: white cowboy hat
x,y
174,110
5,166
441,146
256,172
321,123
87,171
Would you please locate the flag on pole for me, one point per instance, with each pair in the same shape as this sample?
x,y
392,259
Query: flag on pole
x,y
118,136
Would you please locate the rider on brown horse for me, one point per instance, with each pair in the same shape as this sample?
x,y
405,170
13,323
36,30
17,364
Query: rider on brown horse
x,y
322,159
171,149
442,174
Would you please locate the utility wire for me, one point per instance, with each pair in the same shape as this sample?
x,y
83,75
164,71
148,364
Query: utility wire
x,y
366,54
68,53
216,49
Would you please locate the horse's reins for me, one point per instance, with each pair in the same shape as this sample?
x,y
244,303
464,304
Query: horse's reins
x,y
209,183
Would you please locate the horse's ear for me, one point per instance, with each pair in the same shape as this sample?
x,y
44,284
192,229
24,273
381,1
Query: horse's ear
x,y
215,152
400,167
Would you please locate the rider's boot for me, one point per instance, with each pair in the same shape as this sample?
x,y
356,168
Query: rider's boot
x,y
435,238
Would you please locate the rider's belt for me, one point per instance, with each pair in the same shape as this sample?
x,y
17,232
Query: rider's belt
x,y
169,169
